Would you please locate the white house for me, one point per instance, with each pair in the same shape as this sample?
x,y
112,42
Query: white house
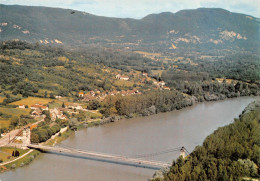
x,y
122,77
21,106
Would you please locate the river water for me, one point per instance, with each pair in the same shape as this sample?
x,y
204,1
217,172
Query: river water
x,y
187,127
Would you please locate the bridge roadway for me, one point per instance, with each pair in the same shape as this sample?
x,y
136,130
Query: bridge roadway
x,y
100,155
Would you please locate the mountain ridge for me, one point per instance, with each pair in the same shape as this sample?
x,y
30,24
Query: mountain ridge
x,y
189,30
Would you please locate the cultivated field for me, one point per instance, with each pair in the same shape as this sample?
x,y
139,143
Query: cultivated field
x,y
1,99
32,100
12,112
123,83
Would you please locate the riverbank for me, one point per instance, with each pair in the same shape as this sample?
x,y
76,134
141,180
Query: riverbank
x,y
20,161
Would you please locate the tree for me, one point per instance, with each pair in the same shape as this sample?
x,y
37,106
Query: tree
x,y
34,138
52,96
14,122
45,94
47,114
93,105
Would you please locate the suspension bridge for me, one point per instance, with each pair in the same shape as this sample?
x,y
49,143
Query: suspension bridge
x,y
138,159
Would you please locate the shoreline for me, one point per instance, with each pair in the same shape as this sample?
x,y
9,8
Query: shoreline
x,y
27,158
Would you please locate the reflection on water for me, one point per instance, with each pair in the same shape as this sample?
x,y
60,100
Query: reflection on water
x,y
187,127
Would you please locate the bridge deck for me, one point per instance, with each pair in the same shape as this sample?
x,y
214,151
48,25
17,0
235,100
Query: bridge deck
x,y
100,155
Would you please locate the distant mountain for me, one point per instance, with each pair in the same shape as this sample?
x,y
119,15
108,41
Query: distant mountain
x,y
200,30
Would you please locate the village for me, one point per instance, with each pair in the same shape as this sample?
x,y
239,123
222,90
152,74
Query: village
x,y
61,108
49,117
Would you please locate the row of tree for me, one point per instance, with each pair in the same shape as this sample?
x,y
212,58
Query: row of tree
x,y
44,132
149,102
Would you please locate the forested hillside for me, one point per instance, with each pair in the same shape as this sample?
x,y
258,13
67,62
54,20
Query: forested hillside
x,y
43,71
204,30
231,153
31,69
238,66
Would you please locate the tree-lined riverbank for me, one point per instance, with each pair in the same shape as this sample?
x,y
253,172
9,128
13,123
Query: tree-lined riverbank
x,y
230,153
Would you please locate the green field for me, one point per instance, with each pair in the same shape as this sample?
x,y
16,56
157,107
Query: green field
x,y
6,153
93,115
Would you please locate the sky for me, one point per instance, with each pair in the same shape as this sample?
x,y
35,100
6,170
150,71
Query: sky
x,y
140,8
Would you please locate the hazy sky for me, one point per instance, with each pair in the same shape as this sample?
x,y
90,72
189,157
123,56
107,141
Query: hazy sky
x,y
141,8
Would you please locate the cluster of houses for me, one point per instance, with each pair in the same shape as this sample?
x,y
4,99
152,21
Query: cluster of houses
x,y
102,95
58,113
161,85
37,109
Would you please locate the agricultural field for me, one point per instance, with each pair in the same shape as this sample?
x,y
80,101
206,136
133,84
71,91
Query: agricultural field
x,y
32,100
53,105
14,111
9,113
1,99
123,83
157,72
4,123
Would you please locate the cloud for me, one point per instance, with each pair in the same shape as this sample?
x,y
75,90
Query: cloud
x,y
141,8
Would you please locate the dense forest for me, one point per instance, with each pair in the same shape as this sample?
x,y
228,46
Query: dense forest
x,y
230,153
239,66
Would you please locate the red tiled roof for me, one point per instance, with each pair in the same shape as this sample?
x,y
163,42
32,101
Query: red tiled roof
x,y
39,106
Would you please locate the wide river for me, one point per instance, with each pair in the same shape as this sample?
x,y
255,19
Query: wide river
x,y
187,127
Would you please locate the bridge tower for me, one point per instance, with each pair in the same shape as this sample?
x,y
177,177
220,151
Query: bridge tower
x,y
26,137
182,152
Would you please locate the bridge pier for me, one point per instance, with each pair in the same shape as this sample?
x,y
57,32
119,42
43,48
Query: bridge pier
x,y
26,138
182,152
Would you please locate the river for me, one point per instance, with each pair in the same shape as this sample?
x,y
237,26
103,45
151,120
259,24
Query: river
x,y
187,127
